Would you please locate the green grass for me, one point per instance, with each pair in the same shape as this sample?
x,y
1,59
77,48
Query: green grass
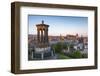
x,y
61,56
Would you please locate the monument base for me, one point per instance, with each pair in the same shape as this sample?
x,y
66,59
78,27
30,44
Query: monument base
x,y
42,54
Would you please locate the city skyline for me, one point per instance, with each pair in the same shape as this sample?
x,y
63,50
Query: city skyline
x,y
59,25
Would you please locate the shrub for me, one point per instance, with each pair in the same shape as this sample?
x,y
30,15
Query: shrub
x,y
84,55
76,54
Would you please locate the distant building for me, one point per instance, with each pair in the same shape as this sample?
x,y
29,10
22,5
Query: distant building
x,y
72,37
61,38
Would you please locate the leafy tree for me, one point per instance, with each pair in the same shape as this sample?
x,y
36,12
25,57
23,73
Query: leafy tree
x,y
57,47
76,54
64,46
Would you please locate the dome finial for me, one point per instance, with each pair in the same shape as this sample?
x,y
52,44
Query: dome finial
x,y
42,21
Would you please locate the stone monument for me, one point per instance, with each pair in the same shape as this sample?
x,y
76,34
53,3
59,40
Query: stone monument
x,y
42,49
42,35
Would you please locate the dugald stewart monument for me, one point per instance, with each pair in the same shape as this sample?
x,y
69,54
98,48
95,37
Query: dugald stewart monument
x,y
41,49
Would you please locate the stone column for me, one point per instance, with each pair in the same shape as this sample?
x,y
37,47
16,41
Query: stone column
x,y
41,36
42,56
46,35
38,35
32,55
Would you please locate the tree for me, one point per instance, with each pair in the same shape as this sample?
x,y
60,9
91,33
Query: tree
x,y
76,54
64,46
57,47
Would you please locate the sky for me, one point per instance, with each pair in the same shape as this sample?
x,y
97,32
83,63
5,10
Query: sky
x,y
59,25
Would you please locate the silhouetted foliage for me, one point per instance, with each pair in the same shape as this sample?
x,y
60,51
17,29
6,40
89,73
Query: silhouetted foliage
x,y
84,55
76,54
